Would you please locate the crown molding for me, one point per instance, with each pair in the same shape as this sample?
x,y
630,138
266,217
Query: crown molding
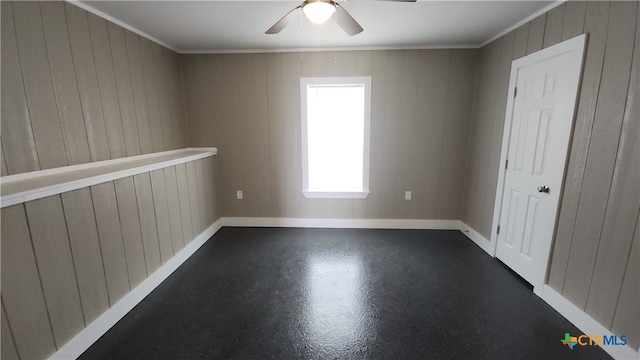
x,y
91,9
523,21
86,6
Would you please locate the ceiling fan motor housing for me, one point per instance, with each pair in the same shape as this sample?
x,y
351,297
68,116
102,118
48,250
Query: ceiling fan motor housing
x,y
319,11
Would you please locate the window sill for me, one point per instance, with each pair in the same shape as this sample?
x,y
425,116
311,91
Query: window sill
x,y
335,194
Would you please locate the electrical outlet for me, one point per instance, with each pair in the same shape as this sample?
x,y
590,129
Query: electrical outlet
x,y
239,195
407,195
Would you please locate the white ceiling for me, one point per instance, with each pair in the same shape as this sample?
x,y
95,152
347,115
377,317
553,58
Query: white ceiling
x,y
239,26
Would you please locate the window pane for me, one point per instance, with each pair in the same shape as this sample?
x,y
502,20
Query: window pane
x,y
335,126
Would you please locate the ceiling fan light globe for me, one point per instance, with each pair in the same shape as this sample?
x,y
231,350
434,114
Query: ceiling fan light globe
x,y
318,12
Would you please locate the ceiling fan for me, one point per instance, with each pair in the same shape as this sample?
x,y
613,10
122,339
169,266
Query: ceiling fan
x,y
319,11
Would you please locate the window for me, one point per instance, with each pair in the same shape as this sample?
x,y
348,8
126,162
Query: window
x,y
335,137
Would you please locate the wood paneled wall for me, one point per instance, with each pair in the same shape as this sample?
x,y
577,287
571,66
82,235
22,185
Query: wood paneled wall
x,y
77,88
68,258
595,255
248,105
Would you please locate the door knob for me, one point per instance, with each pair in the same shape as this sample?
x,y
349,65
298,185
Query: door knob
x,y
543,189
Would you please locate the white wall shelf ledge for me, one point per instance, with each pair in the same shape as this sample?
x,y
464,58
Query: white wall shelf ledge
x,y
19,188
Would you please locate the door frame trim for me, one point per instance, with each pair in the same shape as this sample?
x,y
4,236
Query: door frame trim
x,y
576,44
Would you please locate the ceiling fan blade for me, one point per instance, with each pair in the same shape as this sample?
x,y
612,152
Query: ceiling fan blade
x,y
346,21
282,23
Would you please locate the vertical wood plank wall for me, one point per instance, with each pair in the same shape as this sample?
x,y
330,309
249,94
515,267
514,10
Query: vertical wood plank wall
x,y
594,260
77,88
248,105
68,258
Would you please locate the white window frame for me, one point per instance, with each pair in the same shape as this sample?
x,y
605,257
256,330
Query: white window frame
x,y
315,194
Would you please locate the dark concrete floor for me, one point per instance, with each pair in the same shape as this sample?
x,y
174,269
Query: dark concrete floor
x,y
259,293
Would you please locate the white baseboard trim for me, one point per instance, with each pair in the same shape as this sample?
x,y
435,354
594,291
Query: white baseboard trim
x,y
343,223
471,233
585,323
477,238
83,340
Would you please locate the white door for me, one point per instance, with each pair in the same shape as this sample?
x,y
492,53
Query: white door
x,y
537,140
